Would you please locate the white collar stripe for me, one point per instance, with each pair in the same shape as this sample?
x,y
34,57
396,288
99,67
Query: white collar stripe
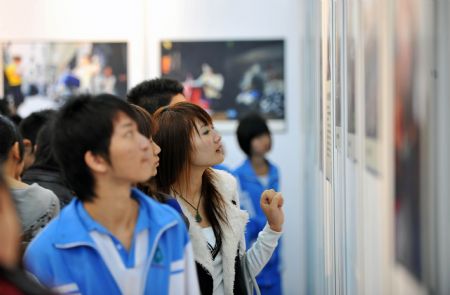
x,y
177,265
66,288
129,280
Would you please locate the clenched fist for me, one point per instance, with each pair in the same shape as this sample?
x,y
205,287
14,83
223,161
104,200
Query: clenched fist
x,y
272,206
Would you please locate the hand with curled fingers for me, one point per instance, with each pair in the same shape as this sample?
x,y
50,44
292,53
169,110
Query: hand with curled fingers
x,y
272,206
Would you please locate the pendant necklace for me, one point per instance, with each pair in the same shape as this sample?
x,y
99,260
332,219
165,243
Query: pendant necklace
x,y
198,217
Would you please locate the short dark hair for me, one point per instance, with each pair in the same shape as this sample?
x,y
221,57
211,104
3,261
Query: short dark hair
x,y
85,123
9,135
30,126
250,126
144,120
155,93
4,107
45,156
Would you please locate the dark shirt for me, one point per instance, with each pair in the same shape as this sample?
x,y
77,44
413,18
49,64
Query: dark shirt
x,y
49,179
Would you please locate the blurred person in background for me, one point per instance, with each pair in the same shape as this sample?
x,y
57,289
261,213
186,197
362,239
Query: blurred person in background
x,y
29,128
156,93
13,73
35,205
45,171
13,281
255,175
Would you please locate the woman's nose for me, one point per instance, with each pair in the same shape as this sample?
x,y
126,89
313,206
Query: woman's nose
x,y
156,148
217,137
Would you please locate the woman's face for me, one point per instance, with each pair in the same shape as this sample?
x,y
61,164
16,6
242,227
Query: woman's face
x,y
155,158
207,146
261,145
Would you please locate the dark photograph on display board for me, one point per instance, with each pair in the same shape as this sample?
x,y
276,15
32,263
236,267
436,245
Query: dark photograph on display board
x,y
338,76
229,78
371,85
407,140
370,82
40,75
350,42
351,85
321,62
337,101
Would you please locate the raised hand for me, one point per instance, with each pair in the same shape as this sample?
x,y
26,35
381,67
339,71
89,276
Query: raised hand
x,y
272,206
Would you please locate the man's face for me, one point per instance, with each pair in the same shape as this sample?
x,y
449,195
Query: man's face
x,y
177,98
131,154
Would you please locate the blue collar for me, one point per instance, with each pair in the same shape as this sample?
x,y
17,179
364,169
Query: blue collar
x,y
74,223
250,174
143,221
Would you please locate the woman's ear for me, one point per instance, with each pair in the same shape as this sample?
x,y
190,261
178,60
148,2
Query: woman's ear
x,y
95,162
16,152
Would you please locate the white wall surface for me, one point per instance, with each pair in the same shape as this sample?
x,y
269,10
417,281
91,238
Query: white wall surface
x,y
143,23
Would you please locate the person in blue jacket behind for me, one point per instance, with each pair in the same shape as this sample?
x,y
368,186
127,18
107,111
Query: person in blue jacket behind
x,y
111,238
255,175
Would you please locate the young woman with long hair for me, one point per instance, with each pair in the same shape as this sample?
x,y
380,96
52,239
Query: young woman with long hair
x,y
209,199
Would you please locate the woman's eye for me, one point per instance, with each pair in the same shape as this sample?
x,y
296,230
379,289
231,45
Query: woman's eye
x,y
206,132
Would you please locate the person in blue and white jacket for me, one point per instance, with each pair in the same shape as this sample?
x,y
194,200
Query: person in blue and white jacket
x,y
111,239
255,175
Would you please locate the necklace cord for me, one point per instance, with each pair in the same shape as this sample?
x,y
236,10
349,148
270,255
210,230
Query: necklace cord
x,y
198,217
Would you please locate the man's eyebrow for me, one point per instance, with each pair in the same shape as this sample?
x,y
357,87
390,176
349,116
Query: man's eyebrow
x,y
126,125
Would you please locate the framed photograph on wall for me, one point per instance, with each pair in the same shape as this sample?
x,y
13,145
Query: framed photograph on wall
x,y
41,75
351,69
229,78
412,90
320,123
338,77
371,58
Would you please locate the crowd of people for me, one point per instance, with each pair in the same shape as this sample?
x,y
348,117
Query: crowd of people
x,y
114,196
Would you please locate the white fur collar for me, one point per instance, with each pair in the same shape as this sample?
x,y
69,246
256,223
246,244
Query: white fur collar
x,y
233,233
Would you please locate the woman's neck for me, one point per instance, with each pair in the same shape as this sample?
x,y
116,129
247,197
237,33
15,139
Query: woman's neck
x,y
190,186
260,165
14,183
13,169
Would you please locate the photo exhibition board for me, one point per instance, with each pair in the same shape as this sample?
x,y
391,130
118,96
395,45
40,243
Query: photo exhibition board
x,y
229,78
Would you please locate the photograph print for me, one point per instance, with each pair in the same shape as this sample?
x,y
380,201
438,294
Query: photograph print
x,y
229,78
40,75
